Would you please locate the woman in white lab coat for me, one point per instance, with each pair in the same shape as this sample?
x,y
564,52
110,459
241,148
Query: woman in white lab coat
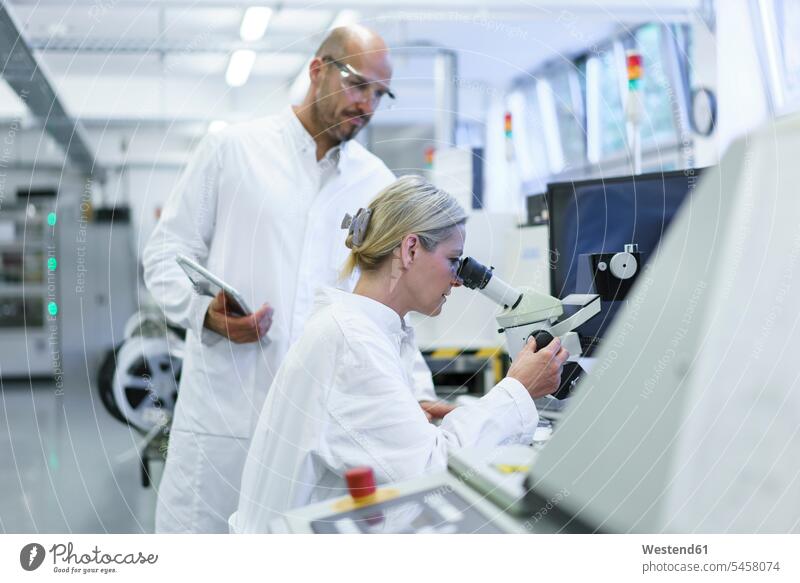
x,y
343,396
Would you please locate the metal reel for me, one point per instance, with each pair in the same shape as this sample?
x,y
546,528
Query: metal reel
x,y
145,383
146,322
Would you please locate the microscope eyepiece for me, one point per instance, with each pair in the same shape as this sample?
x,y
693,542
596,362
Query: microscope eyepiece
x,y
473,274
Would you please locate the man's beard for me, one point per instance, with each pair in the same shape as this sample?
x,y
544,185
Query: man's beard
x,y
338,129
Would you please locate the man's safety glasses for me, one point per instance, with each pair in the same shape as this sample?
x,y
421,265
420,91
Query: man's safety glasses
x,y
359,88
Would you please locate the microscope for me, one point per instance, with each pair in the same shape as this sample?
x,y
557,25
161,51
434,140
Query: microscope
x,y
526,312
605,277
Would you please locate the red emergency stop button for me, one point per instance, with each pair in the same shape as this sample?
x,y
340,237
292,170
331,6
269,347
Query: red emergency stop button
x,y
360,482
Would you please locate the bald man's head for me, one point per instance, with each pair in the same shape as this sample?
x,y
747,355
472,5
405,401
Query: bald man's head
x,y
350,41
350,73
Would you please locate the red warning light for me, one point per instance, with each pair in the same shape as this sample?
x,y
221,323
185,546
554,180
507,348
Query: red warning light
x,y
635,67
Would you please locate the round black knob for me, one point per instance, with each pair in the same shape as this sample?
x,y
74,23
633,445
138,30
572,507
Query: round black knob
x,y
542,337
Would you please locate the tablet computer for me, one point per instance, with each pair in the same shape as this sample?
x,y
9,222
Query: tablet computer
x,y
207,284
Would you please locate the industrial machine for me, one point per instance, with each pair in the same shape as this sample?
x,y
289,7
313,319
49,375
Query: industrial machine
x,y
688,420
592,222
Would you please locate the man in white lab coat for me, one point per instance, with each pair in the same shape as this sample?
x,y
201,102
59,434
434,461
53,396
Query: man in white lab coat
x,y
259,205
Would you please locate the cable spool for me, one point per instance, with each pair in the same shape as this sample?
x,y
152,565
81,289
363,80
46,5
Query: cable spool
x,y
139,380
145,323
146,381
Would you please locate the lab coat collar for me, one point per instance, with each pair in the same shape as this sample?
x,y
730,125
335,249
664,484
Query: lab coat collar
x,y
335,155
298,132
384,317
307,144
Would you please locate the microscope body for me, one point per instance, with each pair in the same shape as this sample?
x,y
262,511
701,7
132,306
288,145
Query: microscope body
x,y
541,312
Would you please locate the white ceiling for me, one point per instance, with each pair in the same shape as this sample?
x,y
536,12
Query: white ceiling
x,y
164,61
492,51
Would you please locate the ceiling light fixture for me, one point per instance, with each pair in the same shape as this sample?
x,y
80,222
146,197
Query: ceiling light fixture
x,y
239,67
254,23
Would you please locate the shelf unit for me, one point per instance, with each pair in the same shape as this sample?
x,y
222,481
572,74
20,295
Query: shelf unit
x,y
29,334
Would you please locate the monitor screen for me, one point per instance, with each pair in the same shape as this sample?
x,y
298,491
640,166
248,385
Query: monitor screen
x,y
601,216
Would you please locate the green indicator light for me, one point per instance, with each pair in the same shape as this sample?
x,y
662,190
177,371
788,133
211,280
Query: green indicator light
x,y
52,264
52,307
51,219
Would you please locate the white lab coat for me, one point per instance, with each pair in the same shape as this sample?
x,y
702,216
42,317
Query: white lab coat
x,y
257,209
344,398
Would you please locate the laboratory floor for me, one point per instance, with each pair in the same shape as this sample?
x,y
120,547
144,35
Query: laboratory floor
x,y
67,466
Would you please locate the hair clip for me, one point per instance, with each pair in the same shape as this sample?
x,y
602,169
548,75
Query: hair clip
x,y
357,225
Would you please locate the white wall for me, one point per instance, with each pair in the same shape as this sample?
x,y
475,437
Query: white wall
x,y
704,65
741,97
145,190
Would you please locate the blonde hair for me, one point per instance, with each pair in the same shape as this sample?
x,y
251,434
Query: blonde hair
x,y
411,204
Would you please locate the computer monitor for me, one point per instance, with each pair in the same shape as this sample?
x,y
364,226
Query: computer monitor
x,y
601,216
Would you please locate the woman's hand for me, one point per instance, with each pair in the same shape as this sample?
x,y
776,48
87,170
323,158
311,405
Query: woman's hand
x,y
539,371
436,409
